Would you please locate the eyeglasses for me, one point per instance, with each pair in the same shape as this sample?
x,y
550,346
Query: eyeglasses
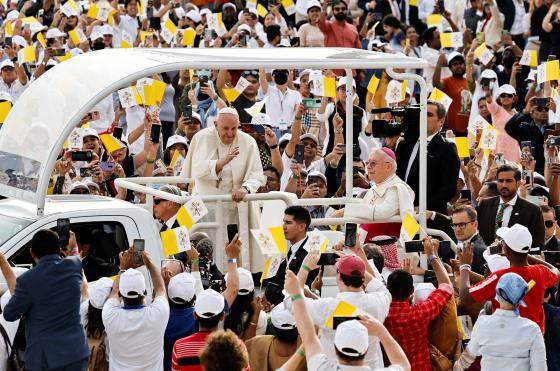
x,y
461,225
549,223
506,95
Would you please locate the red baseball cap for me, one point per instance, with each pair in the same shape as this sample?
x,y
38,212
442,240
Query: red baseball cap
x,y
351,265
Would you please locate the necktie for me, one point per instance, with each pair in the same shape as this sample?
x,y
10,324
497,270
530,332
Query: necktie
x,y
163,228
500,215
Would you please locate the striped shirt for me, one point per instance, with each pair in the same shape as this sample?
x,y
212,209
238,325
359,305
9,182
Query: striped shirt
x,y
186,352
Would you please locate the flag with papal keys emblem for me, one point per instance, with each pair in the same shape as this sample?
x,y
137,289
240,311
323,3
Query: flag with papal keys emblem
x,y
409,228
439,96
548,71
483,54
75,140
191,212
256,108
529,58
489,138
396,91
126,40
175,240
129,97
168,31
177,162
317,241
270,240
271,265
70,8
451,39
216,23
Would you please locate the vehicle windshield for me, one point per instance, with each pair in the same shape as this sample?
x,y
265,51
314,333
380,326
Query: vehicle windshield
x,y
9,226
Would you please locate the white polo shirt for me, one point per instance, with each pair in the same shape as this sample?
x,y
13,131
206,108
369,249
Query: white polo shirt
x,y
280,106
14,90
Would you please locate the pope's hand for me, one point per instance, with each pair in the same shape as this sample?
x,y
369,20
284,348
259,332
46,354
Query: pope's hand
x,y
238,195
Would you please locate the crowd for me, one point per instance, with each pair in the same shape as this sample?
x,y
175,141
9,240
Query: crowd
x,y
403,303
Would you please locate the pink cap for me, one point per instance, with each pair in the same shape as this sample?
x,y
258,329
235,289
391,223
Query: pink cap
x,y
351,265
389,153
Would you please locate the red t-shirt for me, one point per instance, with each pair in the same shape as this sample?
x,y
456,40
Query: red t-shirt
x,y
460,109
543,277
186,352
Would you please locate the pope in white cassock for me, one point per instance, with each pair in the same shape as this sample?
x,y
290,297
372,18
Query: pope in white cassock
x,y
224,160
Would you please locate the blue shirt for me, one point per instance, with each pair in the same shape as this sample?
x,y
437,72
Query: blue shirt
x,y
181,324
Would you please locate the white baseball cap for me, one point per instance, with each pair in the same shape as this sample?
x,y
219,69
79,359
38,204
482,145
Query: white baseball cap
x,y
261,119
197,117
282,318
342,82
174,139
95,35
18,40
107,30
205,11
99,292
351,338
313,4
229,5
285,138
309,136
36,27
181,288
244,27
132,284
495,261
193,15
506,88
518,238
422,291
89,132
246,284
91,183
78,185
6,96
318,174
12,15
209,303
455,55
180,13
7,63
53,33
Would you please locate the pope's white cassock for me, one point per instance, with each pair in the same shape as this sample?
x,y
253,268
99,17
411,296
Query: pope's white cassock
x,y
243,171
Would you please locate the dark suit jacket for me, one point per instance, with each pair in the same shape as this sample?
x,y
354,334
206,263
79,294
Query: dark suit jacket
x,y
524,213
478,246
507,8
553,245
48,295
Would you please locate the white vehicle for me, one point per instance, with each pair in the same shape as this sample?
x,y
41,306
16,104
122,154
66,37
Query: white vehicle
x,y
36,128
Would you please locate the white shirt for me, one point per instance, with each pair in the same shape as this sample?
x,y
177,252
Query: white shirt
x,y
11,329
295,247
134,118
318,165
413,155
321,362
517,27
374,301
136,335
507,210
128,24
14,90
508,342
281,106
432,56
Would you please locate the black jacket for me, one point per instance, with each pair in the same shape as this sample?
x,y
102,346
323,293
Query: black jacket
x,y
552,245
522,128
524,213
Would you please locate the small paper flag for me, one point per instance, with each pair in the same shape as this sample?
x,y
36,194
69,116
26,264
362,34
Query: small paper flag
x,y
159,90
5,108
279,238
329,87
149,95
462,147
451,39
413,2
9,28
188,37
483,54
548,71
489,138
70,8
529,58
110,143
41,39
231,94
126,40
373,84
242,84
289,6
251,4
29,54
271,240
77,36
261,10
343,309
439,96
256,108
191,212
435,20
317,241
175,240
168,31
271,265
410,227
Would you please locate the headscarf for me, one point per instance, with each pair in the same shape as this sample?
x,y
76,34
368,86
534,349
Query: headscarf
x,y
389,251
512,288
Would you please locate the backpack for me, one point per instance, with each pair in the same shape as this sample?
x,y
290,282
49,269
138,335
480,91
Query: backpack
x,y
97,359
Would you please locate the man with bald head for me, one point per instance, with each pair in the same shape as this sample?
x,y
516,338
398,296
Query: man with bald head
x,y
389,195
224,160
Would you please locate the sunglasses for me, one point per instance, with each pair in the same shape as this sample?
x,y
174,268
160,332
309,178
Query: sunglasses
x,y
157,201
506,95
549,223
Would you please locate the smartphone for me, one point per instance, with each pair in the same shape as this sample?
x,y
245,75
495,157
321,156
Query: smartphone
x,y
93,116
86,172
82,156
541,102
312,179
243,40
499,159
441,6
553,141
232,231
494,249
63,231
298,156
444,248
149,12
327,258
8,41
273,293
59,52
155,132
203,80
107,166
187,112
294,41
551,57
526,150
338,320
117,132
413,246
208,34
466,161
350,236
466,194
177,5
138,245
528,177
312,103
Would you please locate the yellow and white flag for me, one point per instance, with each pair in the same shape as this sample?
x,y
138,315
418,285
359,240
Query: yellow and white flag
x,y
168,31
216,23
343,309
451,39
110,143
126,40
175,240
483,54
435,20
489,138
271,265
256,108
409,228
439,96
548,71
529,58
270,240
396,91
188,37
191,212
70,8
289,6
77,36
373,84
317,241
261,10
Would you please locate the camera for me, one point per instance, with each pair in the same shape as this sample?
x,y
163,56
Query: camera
x,y
409,117
553,142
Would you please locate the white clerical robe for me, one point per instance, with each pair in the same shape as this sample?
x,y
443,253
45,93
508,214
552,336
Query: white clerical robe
x,y
245,170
